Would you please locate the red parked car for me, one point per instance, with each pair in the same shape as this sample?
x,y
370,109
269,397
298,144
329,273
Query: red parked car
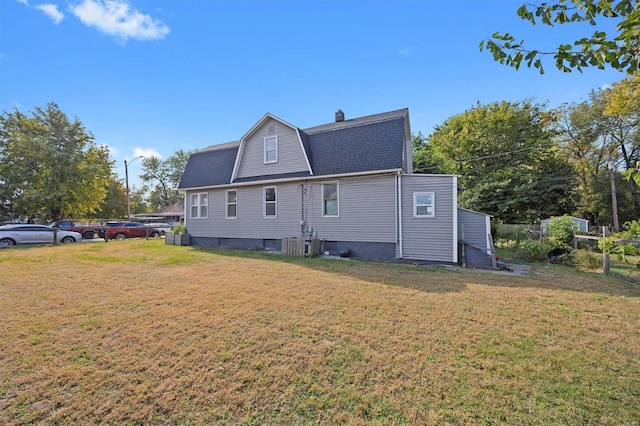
x,y
122,230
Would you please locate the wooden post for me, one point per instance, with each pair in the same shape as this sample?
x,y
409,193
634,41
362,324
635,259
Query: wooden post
x,y
55,236
463,254
605,256
494,263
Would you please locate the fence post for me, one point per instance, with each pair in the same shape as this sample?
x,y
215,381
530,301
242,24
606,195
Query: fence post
x,y
605,256
55,236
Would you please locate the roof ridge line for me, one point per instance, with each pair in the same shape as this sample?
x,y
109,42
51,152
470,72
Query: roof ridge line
x,y
354,122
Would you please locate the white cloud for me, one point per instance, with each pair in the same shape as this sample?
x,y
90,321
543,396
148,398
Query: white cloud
x,y
51,10
112,150
404,52
146,153
23,2
117,18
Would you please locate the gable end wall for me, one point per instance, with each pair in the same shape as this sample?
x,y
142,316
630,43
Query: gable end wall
x,y
291,157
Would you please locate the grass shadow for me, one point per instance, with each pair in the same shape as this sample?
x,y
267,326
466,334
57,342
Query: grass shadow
x,y
443,279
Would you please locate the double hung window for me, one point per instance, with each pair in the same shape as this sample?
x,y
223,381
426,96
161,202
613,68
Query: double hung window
x,y
270,202
199,205
330,199
232,204
271,149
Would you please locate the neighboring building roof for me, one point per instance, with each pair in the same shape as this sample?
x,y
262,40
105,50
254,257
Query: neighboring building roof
x,y
474,212
176,208
371,143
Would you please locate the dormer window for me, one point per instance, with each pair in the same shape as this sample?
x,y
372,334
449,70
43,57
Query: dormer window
x,y
271,149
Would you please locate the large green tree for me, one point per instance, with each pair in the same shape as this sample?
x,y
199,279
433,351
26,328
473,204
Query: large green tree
x,y
624,97
620,51
50,166
595,137
162,177
114,204
508,164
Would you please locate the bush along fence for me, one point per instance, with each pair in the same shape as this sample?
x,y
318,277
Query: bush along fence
x,y
559,242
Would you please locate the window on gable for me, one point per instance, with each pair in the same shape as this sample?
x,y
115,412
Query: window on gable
x,y
270,202
271,149
330,199
199,205
424,204
232,204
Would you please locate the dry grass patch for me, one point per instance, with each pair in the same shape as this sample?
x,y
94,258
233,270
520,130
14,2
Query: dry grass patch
x,y
138,332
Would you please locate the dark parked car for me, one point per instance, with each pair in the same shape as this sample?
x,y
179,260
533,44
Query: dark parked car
x,y
122,230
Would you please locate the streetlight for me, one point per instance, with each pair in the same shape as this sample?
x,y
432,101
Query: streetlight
x,y
126,178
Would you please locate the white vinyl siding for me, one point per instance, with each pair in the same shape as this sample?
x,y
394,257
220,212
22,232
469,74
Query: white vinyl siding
x,y
330,206
199,205
424,204
232,204
271,149
270,202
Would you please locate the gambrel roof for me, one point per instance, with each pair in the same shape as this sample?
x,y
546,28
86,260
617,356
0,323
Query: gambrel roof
x,y
360,145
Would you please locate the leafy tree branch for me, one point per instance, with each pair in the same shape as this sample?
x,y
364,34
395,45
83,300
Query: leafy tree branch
x,y
620,52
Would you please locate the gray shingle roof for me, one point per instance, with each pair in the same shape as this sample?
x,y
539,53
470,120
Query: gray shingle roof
x,y
364,144
209,167
360,148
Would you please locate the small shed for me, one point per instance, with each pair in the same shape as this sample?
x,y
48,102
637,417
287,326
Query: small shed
x,y
581,225
475,239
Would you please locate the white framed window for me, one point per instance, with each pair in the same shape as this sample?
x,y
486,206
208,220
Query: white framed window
x,y
199,205
232,204
270,201
424,204
271,149
330,199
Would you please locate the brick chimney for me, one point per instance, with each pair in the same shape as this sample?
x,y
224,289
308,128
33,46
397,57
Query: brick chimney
x,y
339,116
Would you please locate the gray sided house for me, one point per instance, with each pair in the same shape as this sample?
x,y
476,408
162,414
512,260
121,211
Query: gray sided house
x,y
349,183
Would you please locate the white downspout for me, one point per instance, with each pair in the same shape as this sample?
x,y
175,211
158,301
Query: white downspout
x,y
455,219
395,211
400,240
186,212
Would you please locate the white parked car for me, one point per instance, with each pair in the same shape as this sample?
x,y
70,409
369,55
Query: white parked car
x,y
10,235
164,227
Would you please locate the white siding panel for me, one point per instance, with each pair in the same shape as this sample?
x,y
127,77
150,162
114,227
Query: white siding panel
x,y
429,238
291,157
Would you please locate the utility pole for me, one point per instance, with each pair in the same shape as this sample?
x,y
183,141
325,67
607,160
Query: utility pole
x,y
614,199
126,179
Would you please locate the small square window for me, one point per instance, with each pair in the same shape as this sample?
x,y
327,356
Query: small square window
x,y
424,204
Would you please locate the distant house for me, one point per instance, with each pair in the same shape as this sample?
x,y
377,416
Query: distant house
x,y
581,225
349,183
173,213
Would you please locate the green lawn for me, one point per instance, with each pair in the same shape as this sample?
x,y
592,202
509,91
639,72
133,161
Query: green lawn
x,y
137,332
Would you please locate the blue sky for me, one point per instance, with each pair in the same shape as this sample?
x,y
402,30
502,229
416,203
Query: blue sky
x,y
151,77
